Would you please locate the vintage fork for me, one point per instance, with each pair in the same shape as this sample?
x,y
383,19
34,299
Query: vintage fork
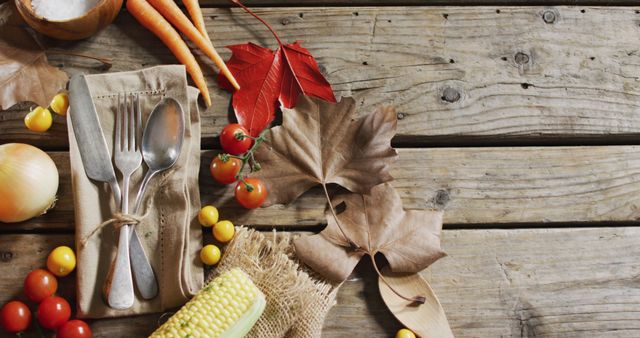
x,y
128,158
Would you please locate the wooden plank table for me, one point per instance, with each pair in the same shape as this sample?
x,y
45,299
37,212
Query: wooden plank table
x,y
520,122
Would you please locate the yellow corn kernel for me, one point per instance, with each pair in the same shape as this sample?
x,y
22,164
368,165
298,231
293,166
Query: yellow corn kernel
x,y
227,307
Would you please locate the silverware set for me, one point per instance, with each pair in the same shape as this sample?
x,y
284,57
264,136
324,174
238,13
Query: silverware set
x,y
159,146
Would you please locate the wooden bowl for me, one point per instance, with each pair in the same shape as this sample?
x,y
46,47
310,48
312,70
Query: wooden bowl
x,y
78,28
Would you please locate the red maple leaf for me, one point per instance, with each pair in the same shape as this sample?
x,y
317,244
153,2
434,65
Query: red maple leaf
x,y
267,77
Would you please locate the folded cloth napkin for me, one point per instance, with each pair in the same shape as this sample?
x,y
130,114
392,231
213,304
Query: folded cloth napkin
x,y
169,229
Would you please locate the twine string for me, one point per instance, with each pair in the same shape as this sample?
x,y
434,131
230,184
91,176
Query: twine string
x,y
118,220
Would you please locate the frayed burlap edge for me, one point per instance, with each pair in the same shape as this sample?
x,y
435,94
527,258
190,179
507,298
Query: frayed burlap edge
x,y
298,300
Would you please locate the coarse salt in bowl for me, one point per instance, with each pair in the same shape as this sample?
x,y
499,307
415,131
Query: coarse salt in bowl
x,y
57,10
68,19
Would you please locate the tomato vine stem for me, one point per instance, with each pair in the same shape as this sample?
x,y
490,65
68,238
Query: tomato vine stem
x,y
247,157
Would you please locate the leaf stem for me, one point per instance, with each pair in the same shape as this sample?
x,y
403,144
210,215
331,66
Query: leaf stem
x,y
246,9
352,245
415,299
105,61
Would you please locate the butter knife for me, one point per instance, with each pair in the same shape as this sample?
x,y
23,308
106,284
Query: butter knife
x,y
91,142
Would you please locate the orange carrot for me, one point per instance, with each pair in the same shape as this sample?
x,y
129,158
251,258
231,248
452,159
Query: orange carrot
x,y
193,7
153,21
170,10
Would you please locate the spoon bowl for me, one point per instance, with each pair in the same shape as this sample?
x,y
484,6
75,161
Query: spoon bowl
x,y
163,136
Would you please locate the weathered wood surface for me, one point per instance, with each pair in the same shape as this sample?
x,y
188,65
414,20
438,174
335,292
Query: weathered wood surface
x,y
477,186
494,283
456,74
293,3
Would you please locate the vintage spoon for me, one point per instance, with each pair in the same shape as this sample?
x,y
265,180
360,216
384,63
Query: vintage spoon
x,y
161,146
426,320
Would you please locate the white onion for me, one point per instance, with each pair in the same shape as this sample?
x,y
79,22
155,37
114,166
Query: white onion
x,y
28,182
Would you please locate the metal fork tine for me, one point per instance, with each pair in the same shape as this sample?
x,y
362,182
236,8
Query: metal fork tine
x,y
118,138
125,124
138,122
132,125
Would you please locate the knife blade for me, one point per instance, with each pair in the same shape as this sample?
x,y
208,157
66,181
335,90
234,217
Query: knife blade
x,y
89,136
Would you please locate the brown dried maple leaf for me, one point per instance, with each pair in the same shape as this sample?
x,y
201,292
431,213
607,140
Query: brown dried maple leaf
x,y
320,143
25,74
376,223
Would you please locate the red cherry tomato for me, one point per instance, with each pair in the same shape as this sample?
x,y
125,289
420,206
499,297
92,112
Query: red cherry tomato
x,y
39,285
254,198
234,139
53,312
15,317
74,329
225,172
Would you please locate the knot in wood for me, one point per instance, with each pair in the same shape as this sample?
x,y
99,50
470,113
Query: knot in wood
x,y
450,95
6,256
442,198
549,16
521,58
285,21
400,116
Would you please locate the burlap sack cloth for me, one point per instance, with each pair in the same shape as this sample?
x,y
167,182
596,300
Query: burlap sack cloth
x,y
298,300
169,231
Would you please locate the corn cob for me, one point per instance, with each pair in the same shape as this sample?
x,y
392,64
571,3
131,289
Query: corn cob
x,y
227,307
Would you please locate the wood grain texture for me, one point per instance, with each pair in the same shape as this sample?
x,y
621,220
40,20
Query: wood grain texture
x,y
481,74
476,186
494,283
294,3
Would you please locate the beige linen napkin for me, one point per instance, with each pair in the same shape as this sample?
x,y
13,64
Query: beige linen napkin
x,y
169,231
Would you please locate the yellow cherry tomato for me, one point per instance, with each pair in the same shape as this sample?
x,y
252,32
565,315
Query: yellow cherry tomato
x,y
60,104
61,261
208,216
210,254
39,119
223,231
405,333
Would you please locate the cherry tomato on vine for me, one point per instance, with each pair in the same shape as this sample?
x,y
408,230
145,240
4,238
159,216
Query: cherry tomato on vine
x,y
15,317
224,172
53,312
39,285
254,198
74,329
234,139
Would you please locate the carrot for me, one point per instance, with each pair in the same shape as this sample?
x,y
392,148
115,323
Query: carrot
x,y
170,10
153,21
193,7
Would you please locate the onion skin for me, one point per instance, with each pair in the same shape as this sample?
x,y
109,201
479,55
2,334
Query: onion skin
x,y
28,182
